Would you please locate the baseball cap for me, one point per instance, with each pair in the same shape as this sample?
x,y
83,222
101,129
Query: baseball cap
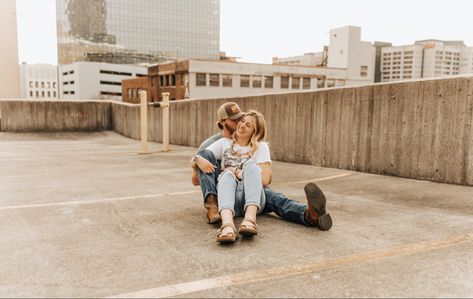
x,y
229,110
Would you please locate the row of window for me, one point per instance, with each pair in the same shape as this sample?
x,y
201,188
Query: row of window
x,y
68,92
43,84
247,81
43,94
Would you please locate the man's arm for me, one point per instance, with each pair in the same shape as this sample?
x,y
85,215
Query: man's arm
x,y
204,162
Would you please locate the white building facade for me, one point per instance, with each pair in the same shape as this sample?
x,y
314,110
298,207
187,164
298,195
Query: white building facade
x,y
213,79
346,51
9,67
39,81
95,80
401,63
426,59
308,59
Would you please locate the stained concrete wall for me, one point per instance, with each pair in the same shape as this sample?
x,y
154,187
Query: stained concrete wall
x,y
420,129
54,116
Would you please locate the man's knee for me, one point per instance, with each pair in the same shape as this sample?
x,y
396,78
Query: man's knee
x,y
208,155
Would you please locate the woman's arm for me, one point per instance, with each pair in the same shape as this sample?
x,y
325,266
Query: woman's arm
x,y
266,173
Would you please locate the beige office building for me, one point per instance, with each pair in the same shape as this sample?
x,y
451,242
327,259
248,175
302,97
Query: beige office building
x,y
9,66
426,59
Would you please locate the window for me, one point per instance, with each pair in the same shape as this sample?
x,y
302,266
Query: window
x,y
296,83
108,83
154,81
31,84
172,80
54,84
42,94
268,82
201,79
49,94
330,82
284,82
214,80
306,83
320,82
42,84
364,71
31,93
36,84
256,81
107,93
54,94
112,73
227,81
37,94
244,81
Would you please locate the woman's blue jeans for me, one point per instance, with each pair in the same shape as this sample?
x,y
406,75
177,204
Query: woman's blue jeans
x,y
236,195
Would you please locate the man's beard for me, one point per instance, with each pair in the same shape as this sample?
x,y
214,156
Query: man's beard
x,y
229,129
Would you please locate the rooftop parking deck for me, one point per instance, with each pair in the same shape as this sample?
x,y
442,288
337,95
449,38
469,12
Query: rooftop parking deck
x,y
84,215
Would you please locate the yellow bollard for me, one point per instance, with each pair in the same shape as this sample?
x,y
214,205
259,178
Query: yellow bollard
x,y
165,106
144,122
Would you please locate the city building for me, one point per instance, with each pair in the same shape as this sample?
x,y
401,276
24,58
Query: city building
x,y
39,81
308,59
133,32
345,51
9,67
203,79
95,80
426,59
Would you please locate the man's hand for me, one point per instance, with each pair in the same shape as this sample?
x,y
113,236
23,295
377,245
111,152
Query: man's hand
x,y
205,165
195,178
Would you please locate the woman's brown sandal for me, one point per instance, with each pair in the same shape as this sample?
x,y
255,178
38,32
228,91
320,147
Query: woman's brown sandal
x,y
248,229
229,237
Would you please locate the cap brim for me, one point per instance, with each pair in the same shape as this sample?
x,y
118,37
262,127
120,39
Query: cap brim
x,y
237,116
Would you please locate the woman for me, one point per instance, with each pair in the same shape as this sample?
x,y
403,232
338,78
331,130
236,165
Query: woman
x,y
246,168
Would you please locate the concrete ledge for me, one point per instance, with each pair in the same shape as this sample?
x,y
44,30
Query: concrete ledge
x,y
418,129
54,116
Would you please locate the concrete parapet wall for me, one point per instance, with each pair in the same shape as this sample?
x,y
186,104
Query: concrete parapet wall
x,y
419,129
54,116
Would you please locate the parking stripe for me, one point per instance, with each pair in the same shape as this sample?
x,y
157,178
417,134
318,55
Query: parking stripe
x,y
281,272
146,196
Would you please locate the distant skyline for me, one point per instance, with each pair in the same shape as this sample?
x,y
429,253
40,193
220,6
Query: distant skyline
x,y
257,30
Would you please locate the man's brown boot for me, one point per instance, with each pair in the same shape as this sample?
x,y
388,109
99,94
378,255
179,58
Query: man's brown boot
x,y
211,204
315,215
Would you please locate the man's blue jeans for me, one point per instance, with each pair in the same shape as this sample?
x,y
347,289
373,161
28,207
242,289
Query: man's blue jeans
x,y
278,203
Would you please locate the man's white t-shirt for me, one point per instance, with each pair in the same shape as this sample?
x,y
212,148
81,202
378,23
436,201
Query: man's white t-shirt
x,y
222,151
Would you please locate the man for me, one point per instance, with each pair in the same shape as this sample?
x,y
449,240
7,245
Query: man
x,y
206,170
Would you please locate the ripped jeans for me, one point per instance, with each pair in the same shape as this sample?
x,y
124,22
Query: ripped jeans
x,y
236,195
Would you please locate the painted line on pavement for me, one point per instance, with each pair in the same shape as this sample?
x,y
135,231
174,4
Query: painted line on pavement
x,y
320,179
250,277
92,201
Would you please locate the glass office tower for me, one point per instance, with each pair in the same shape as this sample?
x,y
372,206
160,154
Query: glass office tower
x,y
130,31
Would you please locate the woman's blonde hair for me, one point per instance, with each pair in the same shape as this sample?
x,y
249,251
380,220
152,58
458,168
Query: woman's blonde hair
x,y
258,135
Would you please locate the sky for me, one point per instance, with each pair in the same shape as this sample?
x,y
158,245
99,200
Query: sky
x,y
257,30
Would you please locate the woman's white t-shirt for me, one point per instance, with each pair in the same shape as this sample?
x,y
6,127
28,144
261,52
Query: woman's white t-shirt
x,y
239,155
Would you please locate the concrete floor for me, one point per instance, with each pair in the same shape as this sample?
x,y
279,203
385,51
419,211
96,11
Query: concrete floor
x,y
83,215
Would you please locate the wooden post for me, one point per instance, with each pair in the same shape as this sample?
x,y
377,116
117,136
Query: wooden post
x,y
165,106
144,121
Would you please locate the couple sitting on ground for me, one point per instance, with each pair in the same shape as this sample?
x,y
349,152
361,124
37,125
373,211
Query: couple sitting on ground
x,y
233,169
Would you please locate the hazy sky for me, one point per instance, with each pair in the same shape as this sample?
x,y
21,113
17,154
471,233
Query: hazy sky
x,y
257,30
